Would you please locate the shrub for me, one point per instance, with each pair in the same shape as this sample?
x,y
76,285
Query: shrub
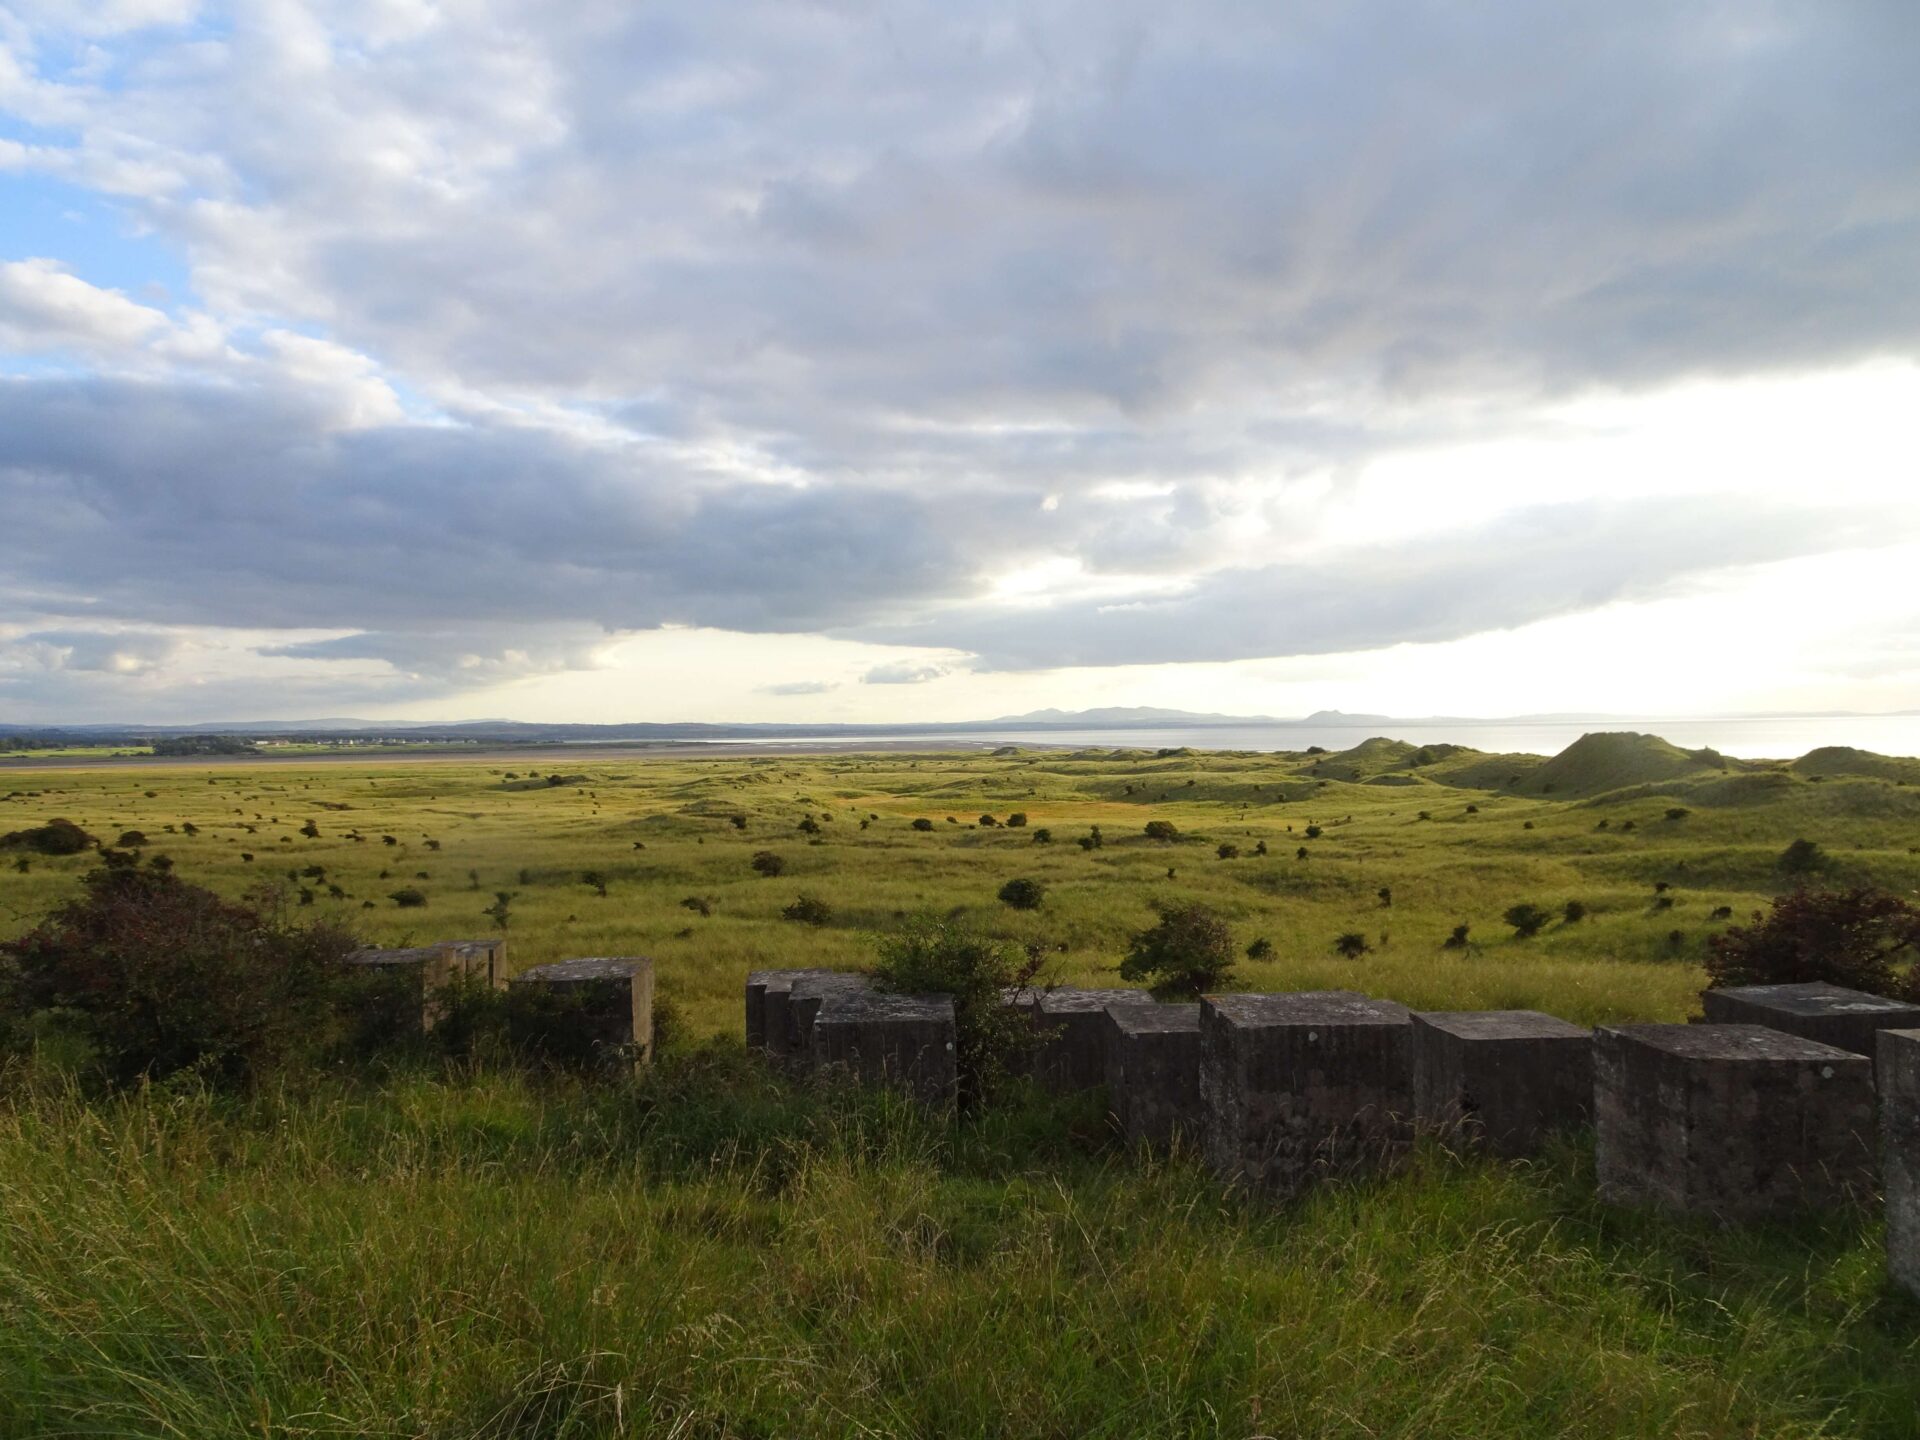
x,y
1352,945
310,830
409,898
1457,940
1260,949
1189,952
1260,847
1162,830
158,976
1527,920
1846,937
923,824
58,836
1802,857
595,881
739,822
1573,912
987,822
808,825
1228,850
1385,894
808,910
131,839
1017,820
930,955
766,863
1023,894
1678,812
501,911
1043,836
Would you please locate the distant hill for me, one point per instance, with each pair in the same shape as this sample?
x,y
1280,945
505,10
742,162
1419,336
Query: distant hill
x,y
1845,760
1614,760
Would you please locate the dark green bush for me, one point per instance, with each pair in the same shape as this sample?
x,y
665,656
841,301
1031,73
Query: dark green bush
x,y
1189,952
157,976
930,955
58,836
808,910
766,863
1527,920
1023,894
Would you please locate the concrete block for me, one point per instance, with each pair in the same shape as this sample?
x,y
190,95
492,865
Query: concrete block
x,y
1301,1085
592,1009
804,999
1899,1071
906,1041
1153,1073
1505,1079
1070,1036
482,960
408,977
767,994
1831,1014
1738,1122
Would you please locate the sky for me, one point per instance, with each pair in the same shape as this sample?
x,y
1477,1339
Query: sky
x,y
440,359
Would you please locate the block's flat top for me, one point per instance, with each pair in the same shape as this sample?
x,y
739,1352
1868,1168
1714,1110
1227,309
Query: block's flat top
x,y
1069,1001
856,1007
474,944
594,968
827,982
1306,1007
1730,1043
1502,1025
1817,998
415,955
783,979
1155,1019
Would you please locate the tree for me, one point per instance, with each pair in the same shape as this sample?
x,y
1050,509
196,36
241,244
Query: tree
x,y
59,836
159,976
1023,894
766,863
1188,953
987,822
1017,820
1527,920
1162,830
930,955
923,824
1845,937
1313,832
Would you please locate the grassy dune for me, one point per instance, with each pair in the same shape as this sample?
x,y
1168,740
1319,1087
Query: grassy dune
x,y
707,1252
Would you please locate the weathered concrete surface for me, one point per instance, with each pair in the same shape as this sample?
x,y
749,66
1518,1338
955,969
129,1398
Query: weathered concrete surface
x,y
906,1041
1302,1085
1735,1121
804,999
1505,1079
1831,1014
1070,1036
1899,1072
1153,1073
609,1005
767,995
482,960
418,972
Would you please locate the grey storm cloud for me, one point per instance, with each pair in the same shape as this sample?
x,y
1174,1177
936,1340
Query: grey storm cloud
x,y
783,318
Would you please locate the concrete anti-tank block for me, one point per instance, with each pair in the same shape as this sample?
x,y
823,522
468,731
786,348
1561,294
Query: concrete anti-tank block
x,y
804,999
1899,1071
604,1004
1300,1085
1505,1079
1153,1073
906,1041
1070,1036
1831,1014
767,995
1734,1121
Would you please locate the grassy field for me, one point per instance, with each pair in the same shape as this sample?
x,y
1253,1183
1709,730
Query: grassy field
x,y
708,1252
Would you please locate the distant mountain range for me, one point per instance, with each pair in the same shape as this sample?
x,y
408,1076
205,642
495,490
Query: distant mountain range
x,y
1120,717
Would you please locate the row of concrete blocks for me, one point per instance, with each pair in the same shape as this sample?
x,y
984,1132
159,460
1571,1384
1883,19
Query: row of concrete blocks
x,y
1733,1119
612,997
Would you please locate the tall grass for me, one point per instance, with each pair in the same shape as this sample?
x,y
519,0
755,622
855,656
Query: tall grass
x,y
706,1252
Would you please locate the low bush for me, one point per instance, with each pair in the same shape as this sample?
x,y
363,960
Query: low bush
x,y
931,955
58,836
1854,938
766,863
1189,952
808,910
1023,894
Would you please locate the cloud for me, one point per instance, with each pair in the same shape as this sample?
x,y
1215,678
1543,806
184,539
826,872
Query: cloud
x,y
44,307
1521,568
111,652
800,687
903,672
